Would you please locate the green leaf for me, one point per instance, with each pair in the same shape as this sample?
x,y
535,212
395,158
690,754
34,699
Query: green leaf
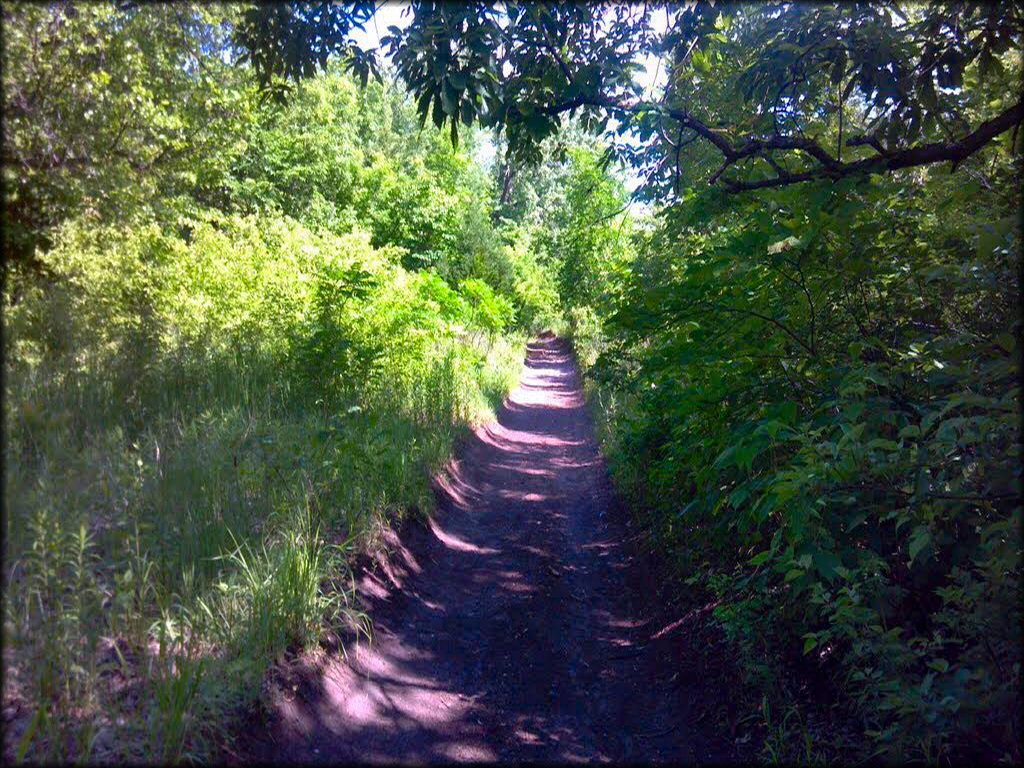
x,y
838,68
537,124
700,62
1006,341
810,642
745,455
458,80
761,558
881,442
438,113
788,412
826,563
449,100
30,732
919,539
926,684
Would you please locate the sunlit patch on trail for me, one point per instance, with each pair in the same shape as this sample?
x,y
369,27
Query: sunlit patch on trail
x,y
454,542
510,642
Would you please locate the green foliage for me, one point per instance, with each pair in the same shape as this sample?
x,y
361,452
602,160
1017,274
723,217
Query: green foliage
x,y
278,46
572,233
110,111
240,333
588,233
815,398
249,334
187,404
530,283
910,88
488,311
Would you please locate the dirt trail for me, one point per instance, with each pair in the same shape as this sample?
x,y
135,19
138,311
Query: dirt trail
x,y
510,628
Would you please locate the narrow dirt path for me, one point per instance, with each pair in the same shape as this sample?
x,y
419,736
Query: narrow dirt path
x,y
507,630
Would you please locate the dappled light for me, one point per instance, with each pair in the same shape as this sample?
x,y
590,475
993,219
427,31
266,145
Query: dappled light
x,y
501,382
517,557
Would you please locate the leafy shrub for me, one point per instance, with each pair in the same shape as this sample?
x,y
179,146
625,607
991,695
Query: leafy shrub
x,y
488,311
238,335
198,412
815,400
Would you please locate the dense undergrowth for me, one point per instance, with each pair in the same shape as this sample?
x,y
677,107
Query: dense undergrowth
x,y
810,397
812,400
198,433
240,333
238,340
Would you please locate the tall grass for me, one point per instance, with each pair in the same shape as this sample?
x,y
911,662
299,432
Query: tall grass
x,y
200,434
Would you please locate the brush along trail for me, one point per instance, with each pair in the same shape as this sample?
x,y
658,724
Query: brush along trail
x,y
514,626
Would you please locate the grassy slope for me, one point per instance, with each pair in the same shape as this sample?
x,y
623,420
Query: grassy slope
x,y
196,449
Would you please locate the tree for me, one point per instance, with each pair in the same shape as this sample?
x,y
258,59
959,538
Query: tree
x,y
823,92
105,107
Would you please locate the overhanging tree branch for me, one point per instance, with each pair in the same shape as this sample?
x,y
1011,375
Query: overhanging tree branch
x,y
827,166
953,151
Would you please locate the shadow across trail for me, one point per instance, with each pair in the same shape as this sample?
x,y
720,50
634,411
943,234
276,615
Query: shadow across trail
x,y
505,629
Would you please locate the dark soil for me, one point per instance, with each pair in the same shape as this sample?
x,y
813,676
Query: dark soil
x,y
518,624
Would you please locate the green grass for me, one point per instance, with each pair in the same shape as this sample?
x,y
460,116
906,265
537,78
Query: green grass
x,y
222,539
182,514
